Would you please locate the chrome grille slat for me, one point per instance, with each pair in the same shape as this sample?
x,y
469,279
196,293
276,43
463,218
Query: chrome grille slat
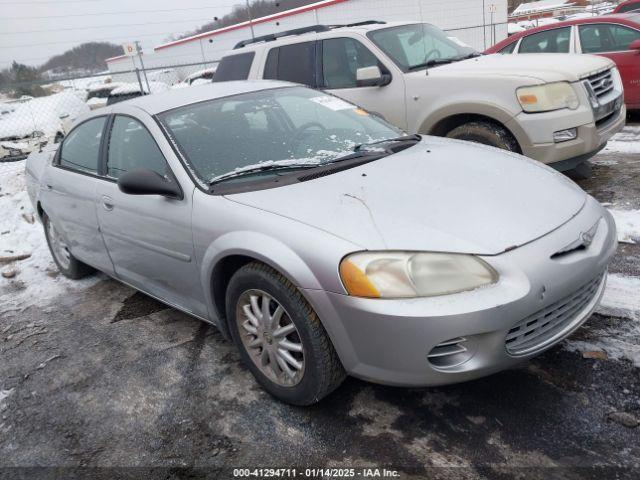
x,y
601,83
535,330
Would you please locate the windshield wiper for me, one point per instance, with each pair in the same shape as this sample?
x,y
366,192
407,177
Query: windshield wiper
x,y
405,138
443,61
266,168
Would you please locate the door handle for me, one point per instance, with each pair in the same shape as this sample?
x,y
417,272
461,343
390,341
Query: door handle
x,y
107,203
48,187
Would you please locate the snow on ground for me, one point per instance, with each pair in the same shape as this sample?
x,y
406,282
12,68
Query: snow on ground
x,y
625,142
628,225
36,279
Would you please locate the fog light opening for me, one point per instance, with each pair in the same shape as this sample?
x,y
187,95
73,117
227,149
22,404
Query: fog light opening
x,y
565,135
450,354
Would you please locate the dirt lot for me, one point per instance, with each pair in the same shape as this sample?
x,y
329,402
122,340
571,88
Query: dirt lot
x,y
96,375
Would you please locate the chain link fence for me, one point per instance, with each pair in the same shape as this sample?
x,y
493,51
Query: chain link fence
x,y
29,122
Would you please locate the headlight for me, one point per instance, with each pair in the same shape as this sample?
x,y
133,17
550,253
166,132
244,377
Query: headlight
x,y
411,275
549,97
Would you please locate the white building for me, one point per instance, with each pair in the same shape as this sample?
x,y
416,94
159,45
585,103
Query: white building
x,y
477,23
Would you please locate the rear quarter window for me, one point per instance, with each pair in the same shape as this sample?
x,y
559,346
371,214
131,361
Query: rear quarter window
x,y
234,67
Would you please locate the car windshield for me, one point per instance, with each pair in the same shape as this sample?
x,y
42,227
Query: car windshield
x,y
419,45
257,132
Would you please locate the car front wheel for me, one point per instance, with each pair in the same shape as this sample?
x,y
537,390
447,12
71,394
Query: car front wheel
x,y
486,133
68,265
280,337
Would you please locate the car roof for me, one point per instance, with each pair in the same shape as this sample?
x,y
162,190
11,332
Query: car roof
x,y
161,102
630,19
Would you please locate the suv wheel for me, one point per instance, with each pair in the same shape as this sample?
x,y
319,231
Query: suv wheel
x,y
486,133
280,338
68,265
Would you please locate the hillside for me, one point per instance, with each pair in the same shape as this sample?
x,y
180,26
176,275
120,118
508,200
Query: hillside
x,y
240,13
90,56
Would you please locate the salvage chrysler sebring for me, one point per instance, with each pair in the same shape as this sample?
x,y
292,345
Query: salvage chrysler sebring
x,y
324,241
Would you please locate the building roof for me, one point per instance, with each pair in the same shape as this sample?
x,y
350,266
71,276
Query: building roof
x,y
256,21
540,6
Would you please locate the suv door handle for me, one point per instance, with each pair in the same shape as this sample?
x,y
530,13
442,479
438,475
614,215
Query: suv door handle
x,y
107,203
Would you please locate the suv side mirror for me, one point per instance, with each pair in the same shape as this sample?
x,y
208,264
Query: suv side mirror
x,y
635,45
148,182
372,77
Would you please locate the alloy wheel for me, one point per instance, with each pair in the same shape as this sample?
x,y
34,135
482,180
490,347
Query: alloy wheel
x,y
270,338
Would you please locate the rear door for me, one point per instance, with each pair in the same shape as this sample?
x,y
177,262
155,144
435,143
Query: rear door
x,y
613,41
148,237
69,193
340,60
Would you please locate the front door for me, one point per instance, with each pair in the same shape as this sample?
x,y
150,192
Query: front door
x,y
341,58
148,237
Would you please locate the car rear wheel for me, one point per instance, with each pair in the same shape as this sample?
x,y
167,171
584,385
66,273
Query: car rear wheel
x,y
486,133
280,337
68,265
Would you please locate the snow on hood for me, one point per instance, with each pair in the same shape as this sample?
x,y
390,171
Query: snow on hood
x,y
440,195
41,114
545,67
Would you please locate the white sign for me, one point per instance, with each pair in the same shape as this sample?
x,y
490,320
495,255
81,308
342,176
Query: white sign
x,y
130,49
333,103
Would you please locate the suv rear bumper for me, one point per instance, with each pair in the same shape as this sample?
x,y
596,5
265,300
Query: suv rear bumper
x,y
566,155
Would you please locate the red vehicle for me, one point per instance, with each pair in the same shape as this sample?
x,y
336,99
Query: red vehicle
x,y
628,7
613,36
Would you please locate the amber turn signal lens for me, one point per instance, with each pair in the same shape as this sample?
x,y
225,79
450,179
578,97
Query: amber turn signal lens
x,y
356,282
528,99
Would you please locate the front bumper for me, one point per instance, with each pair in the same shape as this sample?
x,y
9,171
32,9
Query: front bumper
x,y
534,133
388,341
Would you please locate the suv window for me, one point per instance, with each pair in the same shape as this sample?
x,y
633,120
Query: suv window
x,y
81,149
131,147
292,63
606,38
547,41
341,59
234,67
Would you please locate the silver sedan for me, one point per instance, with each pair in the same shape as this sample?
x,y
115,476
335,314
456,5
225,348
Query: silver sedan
x,y
322,240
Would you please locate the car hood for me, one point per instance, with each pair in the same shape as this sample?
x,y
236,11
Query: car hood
x,y
441,195
539,66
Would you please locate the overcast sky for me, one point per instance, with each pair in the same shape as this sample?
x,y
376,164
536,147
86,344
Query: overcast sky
x,y
31,31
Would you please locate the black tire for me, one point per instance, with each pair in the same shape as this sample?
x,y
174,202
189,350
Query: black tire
x,y
486,133
581,172
76,269
323,371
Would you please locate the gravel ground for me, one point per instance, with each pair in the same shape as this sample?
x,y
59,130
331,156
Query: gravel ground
x,y
100,376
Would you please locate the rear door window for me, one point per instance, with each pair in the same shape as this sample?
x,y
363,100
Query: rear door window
x,y
293,63
557,40
234,67
80,151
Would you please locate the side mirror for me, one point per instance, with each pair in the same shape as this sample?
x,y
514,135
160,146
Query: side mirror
x,y
148,182
372,77
635,45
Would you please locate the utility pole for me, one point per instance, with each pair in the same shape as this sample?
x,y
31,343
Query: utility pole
x,y
253,35
144,72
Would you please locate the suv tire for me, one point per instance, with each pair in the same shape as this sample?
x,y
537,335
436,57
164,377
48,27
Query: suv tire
x,y
486,133
319,370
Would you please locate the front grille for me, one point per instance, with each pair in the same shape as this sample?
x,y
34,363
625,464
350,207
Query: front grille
x,y
547,325
601,83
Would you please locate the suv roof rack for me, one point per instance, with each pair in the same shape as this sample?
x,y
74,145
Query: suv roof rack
x,y
301,31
